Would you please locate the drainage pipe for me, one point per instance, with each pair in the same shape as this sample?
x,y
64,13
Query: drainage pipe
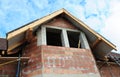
x,y
18,66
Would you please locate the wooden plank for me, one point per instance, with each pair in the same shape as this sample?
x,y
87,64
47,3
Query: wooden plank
x,y
15,45
32,25
89,29
9,60
96,43
29,35
13,58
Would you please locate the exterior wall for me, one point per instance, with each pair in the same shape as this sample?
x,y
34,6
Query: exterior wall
x,y
111,70
52,61
8,70
68,62
34,65
60,22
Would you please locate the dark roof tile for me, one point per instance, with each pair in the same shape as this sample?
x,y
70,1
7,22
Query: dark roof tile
x,y
3,44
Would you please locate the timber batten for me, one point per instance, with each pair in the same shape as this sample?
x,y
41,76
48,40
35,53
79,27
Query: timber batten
x,y
9,60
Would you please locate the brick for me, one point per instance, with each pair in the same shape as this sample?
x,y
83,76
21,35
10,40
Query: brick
x,y
60,22
106,71
73,60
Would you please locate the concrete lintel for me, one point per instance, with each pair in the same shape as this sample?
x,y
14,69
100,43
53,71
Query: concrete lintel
x,y
72,75
59,28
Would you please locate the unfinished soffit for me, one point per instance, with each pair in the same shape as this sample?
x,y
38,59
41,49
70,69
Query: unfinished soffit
x,y
100,46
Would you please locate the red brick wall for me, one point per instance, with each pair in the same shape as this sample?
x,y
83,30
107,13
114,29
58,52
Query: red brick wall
x,y
8,70
60,22
62,60
57,60
34,65
111,70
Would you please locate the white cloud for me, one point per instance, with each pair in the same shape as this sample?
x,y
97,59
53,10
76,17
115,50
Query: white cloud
x,y
112,25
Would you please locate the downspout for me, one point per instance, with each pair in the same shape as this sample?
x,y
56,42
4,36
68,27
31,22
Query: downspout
x,y
18,65
19,60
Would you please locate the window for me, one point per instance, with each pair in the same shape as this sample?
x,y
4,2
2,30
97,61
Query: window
x,y
53,37
73,38
56,36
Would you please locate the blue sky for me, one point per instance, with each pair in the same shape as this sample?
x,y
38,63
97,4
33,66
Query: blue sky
x,y
101,15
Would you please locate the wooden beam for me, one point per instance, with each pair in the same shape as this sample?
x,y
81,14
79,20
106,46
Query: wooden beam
x,y
36,23
96,43
9,60
29,35
15,45
10,52
13,58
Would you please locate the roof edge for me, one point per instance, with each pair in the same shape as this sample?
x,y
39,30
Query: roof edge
x,y
33,24
91,30
50,16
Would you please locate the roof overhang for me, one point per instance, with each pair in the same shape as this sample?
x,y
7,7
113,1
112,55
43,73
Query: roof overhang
x,y
100,46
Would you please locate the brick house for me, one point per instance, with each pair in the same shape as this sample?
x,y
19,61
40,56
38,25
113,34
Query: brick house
x,y
57,45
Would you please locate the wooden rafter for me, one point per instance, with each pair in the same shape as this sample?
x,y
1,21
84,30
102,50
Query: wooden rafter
x,y
15,45
29,35
89,29
96,43
28,38
32,25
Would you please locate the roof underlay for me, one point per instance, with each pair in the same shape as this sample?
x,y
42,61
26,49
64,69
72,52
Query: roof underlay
x,y
100,46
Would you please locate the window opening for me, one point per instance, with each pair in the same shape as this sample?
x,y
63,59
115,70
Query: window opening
x,y
53,37
73,38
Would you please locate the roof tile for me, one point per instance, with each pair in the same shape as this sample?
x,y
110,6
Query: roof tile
x,y
3,44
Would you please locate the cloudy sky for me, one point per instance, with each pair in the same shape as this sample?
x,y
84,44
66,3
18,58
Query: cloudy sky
x,y
101,15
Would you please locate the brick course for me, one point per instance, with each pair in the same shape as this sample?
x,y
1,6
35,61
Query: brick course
x,y
69,60
61,22
8,70
111,70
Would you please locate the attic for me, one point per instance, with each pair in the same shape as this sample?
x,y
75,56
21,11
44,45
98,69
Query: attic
x,y
99,45
58,41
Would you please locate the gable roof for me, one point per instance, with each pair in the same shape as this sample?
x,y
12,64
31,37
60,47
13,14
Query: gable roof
x,y
100,45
